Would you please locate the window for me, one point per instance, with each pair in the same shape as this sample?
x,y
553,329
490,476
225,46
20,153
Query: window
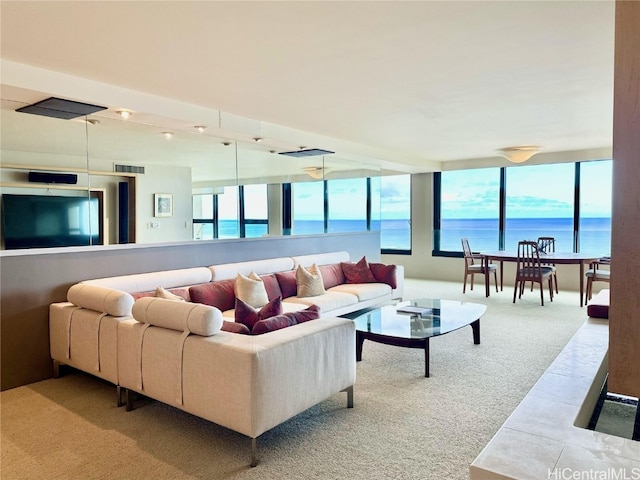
x,y
595,207
497,207
347,200
204,226
539,202
394,198
469,207
255,208
308,208
228,224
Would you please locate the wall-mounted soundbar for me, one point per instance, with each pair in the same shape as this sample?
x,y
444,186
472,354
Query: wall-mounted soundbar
x,y
47,177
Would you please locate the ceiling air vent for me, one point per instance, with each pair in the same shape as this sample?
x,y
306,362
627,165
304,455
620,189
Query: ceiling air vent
x,y
61,108
307,152
128,168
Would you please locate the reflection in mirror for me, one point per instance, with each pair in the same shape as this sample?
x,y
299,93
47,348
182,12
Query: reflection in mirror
x,y
213,186
47,199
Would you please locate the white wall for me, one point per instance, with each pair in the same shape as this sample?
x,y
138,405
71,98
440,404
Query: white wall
x,y
164,179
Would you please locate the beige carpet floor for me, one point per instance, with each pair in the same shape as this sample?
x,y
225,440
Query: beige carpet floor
x,y
403,426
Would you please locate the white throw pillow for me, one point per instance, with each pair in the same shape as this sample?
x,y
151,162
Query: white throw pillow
x,y
309,281
164,293
251,290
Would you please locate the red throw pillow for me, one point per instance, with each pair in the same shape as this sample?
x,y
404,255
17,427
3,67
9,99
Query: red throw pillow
x,y
218,294
332,275
249,316
235,327
384,273
309,313
271,324
271,285
288,283
358,272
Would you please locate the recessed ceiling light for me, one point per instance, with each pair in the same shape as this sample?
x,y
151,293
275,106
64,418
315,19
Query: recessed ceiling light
x,y
257,139
93,121
167,134
200,128
124,113
226,144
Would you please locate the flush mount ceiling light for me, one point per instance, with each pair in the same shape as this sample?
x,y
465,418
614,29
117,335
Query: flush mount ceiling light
x,y
226,144
167,134
257,139
124,113
519,154
316,172
200,128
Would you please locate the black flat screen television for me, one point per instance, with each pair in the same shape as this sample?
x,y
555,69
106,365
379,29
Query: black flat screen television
x,y
41,221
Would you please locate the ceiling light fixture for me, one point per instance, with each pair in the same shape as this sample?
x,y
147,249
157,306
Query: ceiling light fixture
x,y
93,121
124,113
519,154
167,134
257,139
316,172
200,128
226,144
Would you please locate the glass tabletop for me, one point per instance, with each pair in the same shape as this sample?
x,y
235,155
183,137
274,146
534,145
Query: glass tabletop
x,y
420,318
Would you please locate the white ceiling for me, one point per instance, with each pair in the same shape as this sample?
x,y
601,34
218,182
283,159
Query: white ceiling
x,y
413,82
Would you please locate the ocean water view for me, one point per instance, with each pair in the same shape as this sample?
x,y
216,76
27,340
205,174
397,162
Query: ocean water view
x,y
595,233
594,237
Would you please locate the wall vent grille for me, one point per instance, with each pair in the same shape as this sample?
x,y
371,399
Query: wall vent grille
x,y
128,168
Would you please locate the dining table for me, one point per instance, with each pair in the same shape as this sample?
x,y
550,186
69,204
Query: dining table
x,y
557,258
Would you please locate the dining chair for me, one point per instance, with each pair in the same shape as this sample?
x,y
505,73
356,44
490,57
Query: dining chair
x,y
596,274
548,245
530,269
471,267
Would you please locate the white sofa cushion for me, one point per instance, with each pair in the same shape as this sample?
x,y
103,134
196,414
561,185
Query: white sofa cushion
x,y
327,301
100,299
228,271
320,259
146,282
202,320
364,291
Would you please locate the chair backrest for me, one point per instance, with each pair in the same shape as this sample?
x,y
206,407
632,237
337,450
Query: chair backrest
x,y
528,259
547,244
468,256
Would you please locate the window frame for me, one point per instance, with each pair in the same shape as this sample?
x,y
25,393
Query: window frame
x,y
437,211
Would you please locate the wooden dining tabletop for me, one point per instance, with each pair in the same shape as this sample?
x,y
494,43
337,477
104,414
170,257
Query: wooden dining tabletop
x,y
559,258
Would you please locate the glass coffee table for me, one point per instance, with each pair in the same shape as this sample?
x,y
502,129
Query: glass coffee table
x,y
412,323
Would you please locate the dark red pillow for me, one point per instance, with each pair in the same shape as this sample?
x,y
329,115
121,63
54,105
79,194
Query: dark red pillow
x,y
271,324
288,284
310,313
218,294
384,273
332,275
235,327
249,316
271,285
358,272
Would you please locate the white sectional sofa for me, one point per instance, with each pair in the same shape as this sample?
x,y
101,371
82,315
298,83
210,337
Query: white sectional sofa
x,y
179,352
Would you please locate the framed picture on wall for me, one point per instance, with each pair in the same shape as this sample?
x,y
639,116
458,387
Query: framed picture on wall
x,y
163,205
